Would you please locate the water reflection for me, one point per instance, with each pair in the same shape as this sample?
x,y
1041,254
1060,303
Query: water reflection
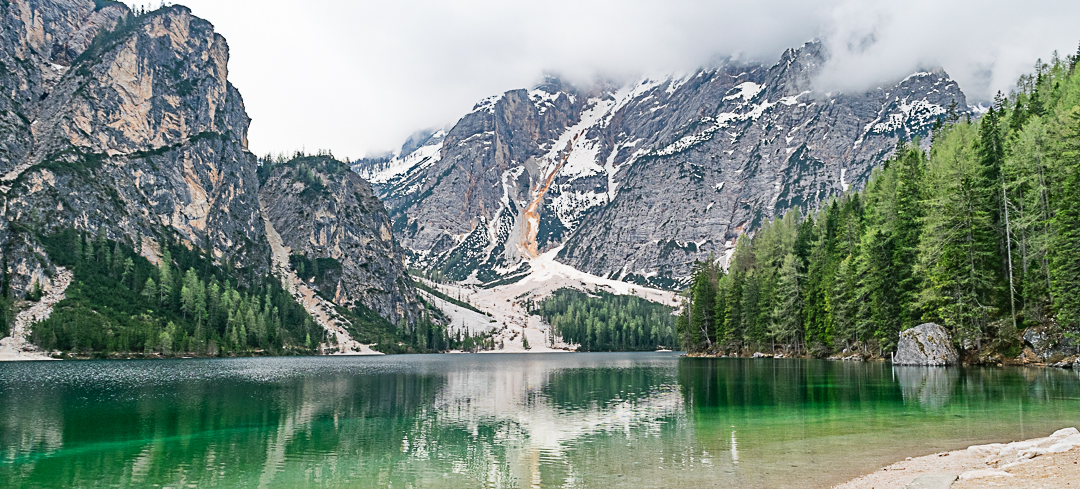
x,y
575,421
549,410
931,387
492,421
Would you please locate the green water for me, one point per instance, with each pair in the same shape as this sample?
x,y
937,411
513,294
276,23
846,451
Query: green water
x,y
570,420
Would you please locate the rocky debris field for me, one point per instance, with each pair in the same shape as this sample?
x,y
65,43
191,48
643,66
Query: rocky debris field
x,y
17,347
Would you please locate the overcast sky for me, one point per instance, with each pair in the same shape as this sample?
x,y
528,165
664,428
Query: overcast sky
x,y
359,76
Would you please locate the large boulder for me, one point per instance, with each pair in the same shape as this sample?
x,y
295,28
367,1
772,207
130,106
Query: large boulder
x,y
926,345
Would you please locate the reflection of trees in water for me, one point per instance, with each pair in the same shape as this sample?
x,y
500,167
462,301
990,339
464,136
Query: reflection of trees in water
x,y
31,425
840,414
747,385
452,428
936,387
741,385
227,431
459,422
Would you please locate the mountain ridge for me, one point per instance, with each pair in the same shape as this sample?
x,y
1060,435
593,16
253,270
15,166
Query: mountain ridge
x,y
124,125
629,166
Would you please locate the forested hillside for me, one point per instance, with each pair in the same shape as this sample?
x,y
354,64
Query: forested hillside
x,y
121,303
981,234
605,322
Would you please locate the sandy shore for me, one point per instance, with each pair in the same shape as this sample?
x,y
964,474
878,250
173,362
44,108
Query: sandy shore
x,y
1049,462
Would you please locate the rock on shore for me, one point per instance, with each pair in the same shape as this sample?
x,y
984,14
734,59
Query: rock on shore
x,y
926,345
1043,462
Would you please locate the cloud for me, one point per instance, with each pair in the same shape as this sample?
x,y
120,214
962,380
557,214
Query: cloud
x,y
360,76
985,45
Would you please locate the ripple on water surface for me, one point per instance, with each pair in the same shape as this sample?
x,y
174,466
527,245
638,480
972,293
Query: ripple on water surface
x,y
582,420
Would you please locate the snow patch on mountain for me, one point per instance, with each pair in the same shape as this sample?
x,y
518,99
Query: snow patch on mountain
x,y
423,157
570,206
908,112
488,104
544,100
746,91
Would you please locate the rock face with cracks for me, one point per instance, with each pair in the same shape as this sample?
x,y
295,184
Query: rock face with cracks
x,y
926,345
328,214
126,124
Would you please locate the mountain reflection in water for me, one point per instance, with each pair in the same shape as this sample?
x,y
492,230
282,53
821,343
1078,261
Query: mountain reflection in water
x,y
581,420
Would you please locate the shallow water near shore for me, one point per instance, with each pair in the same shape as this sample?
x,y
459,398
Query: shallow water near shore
x,y
580,421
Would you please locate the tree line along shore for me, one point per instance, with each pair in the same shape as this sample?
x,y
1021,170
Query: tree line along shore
x,y
978,231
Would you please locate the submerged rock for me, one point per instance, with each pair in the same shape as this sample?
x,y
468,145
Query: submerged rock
x,y
926,345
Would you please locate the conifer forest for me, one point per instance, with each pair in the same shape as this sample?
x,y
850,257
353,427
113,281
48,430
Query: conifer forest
x,y
978,231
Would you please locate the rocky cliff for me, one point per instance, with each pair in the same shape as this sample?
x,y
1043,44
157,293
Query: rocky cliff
x,y
127,123
124,123
339,235
636,182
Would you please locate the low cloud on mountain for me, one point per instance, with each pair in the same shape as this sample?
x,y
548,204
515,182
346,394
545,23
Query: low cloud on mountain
x,y
360,76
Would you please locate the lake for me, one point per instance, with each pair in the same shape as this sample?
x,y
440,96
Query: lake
x,y
503,421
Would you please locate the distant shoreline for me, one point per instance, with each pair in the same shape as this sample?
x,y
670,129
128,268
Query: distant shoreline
x,y
154,356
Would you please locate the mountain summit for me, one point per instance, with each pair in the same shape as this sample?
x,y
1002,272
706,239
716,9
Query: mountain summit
x,y
122,138
636,182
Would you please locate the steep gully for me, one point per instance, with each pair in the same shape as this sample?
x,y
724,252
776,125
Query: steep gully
x,y
531,215
17,347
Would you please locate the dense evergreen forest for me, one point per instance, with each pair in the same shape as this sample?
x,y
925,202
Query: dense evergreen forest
x,y
120,303
981,234
601,321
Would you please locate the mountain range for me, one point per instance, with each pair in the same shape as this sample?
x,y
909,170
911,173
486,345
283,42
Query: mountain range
x,y
123,125
636,182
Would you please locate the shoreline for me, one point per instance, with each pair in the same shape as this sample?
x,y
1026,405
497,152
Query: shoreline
x,y
1071,363
1052,461
157,356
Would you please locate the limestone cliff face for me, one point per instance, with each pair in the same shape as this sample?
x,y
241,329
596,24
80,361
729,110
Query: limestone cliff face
x,y
328,215
637,182
124,123
128,124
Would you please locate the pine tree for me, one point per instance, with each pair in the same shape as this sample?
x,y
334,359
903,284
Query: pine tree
x,y
165,279
1065,260
959,245
150,289
787,315
703,305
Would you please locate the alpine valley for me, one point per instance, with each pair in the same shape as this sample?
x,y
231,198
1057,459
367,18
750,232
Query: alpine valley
x,y
136,222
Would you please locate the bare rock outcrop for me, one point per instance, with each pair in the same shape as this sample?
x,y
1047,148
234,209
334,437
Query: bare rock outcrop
x,y
339,235
636,182
126,124
926,345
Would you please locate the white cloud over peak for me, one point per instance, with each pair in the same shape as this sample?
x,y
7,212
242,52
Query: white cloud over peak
x,y
360,76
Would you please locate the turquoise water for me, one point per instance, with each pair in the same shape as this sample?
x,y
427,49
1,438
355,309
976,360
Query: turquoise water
x,y
559,420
